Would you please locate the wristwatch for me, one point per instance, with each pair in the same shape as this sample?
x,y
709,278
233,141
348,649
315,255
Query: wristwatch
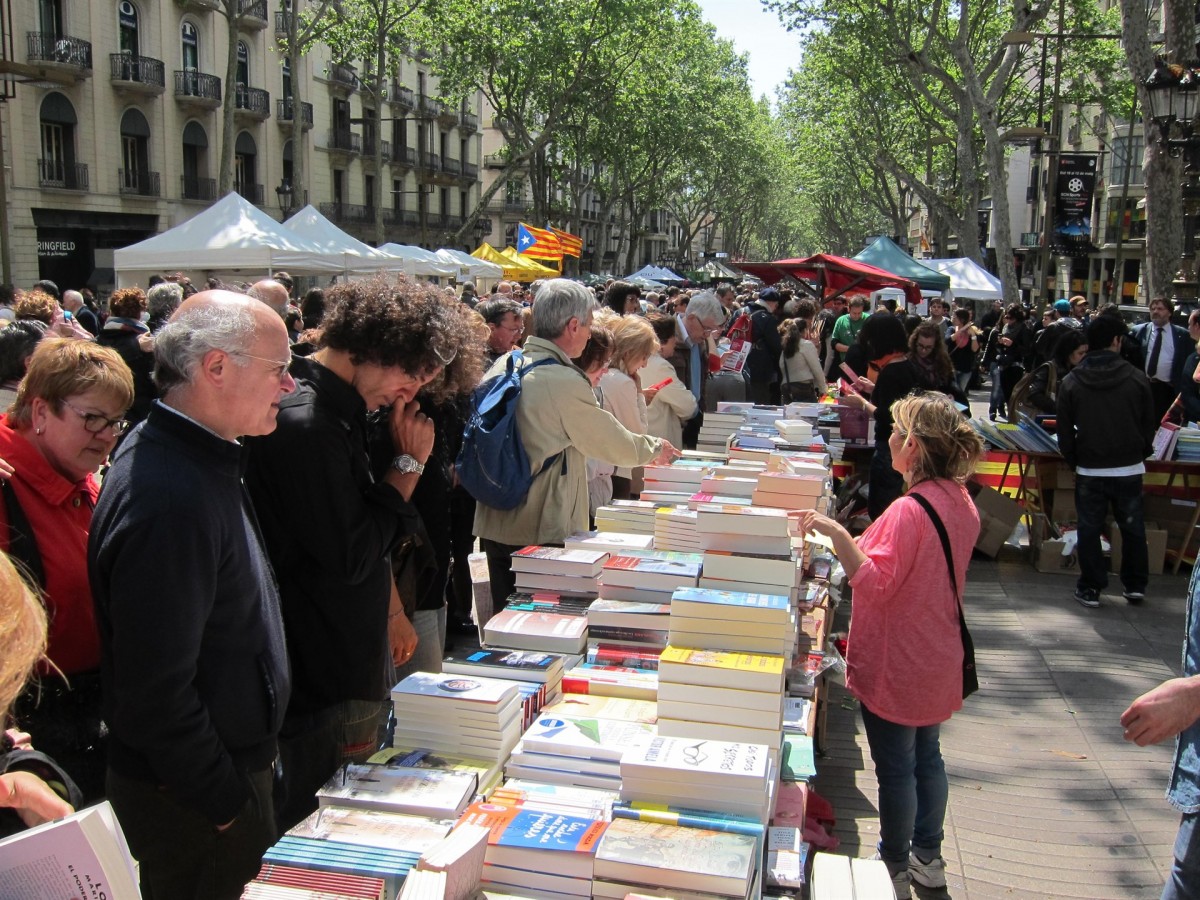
x,y
405,464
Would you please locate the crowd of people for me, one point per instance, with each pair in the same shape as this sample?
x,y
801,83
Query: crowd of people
x,y
281,533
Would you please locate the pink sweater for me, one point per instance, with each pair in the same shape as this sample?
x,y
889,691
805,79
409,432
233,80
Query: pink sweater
x,y
904,652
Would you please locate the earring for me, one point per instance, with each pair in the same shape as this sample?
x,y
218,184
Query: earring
x,y
38,431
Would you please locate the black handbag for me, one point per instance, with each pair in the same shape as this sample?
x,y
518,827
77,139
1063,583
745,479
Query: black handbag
x,y
970,678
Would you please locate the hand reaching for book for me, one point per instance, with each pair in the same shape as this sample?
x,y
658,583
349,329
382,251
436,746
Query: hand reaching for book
x,y
32,799
666,453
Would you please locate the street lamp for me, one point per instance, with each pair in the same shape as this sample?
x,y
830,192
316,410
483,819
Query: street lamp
x,y
1171,94
286,195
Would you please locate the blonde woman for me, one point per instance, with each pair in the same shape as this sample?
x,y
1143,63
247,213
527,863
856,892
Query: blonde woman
x,y
905,650
800,370
633,345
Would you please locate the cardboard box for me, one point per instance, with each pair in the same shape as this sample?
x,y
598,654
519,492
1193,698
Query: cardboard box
x,y
1156,547
1062,505
1048,557
998,516
1172,514
1056,475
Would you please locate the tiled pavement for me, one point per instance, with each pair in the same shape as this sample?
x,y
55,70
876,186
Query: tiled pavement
x,y
1046,799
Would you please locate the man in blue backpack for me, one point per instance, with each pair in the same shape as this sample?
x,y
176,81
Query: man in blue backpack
x,y
557,416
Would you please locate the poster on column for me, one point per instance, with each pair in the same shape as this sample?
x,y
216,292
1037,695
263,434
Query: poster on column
x,y
1073,201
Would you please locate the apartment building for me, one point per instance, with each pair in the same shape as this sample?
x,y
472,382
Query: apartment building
x,y
122,139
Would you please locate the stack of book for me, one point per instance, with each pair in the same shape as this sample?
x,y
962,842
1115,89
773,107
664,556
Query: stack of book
x,y
741,486
629,516
745,529
458,859
795,431
637,625
784,490
590,803
652,858
755,573
545,669
559,569
487,772
673,483
433,793
275,882
715,694
532,625
716,429
360,842
617,542
733,621
531,850
721,776
583,706
458,714
649,578
675,529
576,752
634,683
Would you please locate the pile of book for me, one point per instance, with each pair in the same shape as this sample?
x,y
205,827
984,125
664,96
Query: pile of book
x,y
580,752
735,621
716,430
561,570
277,882
629,516
675,529
717,694
616,625
545,670
674,483
647,578
458,714
549,623
617,542
745,529
756,573
792,490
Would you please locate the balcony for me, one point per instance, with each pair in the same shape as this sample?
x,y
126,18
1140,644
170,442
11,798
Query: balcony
x,y
137,74
369,149
283,113
134,183
470,122
197,89
56,173
252,192
508,207
451,166
251,103
403,156
194,188
252,14
435,220
452,223
496,160
446,114
343,141
200,5
409,217
428,161
341,76
348,213
427,107
64,54
401,97
283,24
470,171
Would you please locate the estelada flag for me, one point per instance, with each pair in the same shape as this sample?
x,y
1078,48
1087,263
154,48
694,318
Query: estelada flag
x,y
538,242
572,244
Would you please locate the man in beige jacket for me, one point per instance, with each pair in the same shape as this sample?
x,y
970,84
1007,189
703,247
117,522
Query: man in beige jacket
x,y
557,414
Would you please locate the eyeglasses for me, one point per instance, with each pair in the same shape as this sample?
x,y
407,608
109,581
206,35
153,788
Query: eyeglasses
x,y
515,329
278,368
923,346
94,423
694,754
706,330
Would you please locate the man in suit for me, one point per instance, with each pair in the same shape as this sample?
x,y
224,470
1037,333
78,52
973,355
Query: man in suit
x,y
1165,347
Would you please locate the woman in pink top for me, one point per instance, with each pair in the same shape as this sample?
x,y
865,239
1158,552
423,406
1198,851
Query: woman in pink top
x,y
904,653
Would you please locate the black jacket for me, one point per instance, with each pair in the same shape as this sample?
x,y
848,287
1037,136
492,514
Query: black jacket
x,y
330,530
1105,413
193,664
1181,344
762,364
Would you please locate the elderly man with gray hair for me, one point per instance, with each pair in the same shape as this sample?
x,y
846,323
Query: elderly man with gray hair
x,y
701,319
161,301
559,420
194,668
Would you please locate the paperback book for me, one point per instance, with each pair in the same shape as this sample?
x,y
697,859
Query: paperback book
x,y
420,792
693,859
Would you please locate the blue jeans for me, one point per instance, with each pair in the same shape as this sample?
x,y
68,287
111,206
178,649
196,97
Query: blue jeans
x,y
996,402
1093,498
963,380
913,790
1184,881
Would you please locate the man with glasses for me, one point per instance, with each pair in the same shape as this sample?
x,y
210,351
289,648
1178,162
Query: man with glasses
x,y
194,669
503,319
702,319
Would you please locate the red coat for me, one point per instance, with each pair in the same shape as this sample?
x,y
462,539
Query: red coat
x,y
60,513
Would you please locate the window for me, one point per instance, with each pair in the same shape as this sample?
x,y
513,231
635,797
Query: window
x,y
287,163
369,190
243,65
245,155
339,186
50,17
464,147
368,117
445,201
56,167
196,186
189,40
127,23
514,191
462,203
135,175
341,116
1128,224
287,80
1126,160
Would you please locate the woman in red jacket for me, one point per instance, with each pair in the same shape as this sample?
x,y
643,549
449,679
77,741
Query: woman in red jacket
x,y
69,411
904,654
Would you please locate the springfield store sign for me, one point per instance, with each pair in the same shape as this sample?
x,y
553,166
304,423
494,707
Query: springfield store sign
x,y
54,249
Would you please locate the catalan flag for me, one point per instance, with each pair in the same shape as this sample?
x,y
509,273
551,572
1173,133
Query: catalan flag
x,y
572,244
538,242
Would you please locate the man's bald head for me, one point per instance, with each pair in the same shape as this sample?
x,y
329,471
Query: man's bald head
x,y
207,321
72,301
272,293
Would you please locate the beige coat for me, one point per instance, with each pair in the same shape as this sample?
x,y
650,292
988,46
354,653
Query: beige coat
x,y
558,412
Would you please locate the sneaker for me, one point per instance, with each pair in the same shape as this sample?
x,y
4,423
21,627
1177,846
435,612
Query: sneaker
x,y
1135,598
901,881
1088,597
931,874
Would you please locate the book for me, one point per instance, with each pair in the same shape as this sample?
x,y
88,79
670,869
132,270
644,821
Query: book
x,y
459,857
736,643
687,817
522,883
648,572
769,632
81,855
560,561
548,632
588,738
513,665
421,792
423,885
611,541
615,653
693,859
612,681
769,701
794,483
646,636
274,878
687,729
626,614
565,585
537,840
630,594
592,706
767,720
552,765
796,761
372,828
564,777
746,671
705,603
707,763
591,803
787,857
751,567
456,692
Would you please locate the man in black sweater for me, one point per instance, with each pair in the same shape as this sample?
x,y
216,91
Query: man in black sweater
x,y
193,663
1106,425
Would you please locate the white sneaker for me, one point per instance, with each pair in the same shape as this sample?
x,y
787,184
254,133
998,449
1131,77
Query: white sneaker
x,y
931,874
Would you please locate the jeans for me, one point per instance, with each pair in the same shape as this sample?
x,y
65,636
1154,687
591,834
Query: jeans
x,y
996,401
964,381
913,790
312,747
500,574
1184,881
430,625
181,853
1093,498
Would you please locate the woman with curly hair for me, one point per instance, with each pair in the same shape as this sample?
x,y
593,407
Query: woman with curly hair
x,y
633,345
125,332
331,527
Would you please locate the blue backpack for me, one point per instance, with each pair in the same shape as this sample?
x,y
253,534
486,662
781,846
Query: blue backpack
x,y
492,464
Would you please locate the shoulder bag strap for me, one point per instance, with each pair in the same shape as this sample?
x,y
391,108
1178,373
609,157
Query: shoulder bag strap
x,y
22,545
945,539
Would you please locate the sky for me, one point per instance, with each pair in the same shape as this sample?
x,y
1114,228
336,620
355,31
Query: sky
x,y
759,33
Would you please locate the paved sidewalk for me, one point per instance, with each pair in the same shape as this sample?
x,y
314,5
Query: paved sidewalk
x,y
1046,799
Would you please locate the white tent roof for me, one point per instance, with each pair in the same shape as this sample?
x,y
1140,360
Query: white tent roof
x,y
968,279
358,257
231,234
470,265
422,262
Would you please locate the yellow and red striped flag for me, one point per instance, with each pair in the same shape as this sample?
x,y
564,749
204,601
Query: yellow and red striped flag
x,y
538,242
572,244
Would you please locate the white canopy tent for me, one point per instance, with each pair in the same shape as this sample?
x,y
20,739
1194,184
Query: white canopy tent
x,y
470,266
232,235
358,258
968,279
418,261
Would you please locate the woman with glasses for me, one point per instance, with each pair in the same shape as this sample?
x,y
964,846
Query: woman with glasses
x,y
69,412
